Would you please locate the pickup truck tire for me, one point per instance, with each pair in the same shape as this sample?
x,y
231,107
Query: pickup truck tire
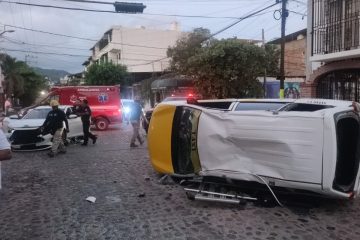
x,y
101,124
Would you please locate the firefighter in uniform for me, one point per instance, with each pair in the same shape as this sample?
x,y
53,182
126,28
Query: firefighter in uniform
x,y
54,124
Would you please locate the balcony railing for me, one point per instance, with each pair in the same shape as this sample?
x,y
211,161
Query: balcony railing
x,y
336,26
103,43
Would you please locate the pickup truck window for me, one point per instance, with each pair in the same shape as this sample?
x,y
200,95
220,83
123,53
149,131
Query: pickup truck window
x,y
268,106
301,107
214,104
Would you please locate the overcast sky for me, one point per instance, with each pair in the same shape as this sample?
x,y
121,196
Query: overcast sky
x,y
92,25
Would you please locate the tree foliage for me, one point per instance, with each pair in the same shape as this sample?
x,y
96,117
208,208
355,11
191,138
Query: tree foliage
x,y
21,81
106,74
227,68
186,47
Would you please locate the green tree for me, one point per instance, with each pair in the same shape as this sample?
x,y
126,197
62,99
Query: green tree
x,y
21,81
33,85
223,68
106,74
186,47
14,81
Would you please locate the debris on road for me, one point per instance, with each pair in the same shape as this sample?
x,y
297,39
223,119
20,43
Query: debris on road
x,y
91,199
141,195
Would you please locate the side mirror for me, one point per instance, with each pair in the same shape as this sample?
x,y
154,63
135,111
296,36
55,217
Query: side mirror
x,y
14,117
72,116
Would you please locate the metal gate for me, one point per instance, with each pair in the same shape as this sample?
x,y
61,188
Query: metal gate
x,y
340,85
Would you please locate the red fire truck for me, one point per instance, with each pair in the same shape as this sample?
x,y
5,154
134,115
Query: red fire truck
x,y
104,101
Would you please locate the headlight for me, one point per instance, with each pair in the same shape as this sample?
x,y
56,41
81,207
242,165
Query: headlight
x,y
10,130
127,110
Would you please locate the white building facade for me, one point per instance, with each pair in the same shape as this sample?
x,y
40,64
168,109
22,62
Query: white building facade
x,y
140,49
333,66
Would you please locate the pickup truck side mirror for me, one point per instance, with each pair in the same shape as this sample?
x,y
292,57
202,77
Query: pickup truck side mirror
x,y
72,116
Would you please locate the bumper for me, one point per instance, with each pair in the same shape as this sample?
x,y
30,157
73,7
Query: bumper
x,y
29,140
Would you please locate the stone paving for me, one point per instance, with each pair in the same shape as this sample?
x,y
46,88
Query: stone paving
x,y
44,198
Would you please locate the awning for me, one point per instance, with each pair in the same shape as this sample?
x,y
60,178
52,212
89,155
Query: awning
x,y
171,83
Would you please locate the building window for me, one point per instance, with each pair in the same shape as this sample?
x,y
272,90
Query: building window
x,y
335,26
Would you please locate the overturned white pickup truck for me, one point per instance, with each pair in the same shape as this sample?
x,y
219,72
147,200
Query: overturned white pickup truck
x,y
310,144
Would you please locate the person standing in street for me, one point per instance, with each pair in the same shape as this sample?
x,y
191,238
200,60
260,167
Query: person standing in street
x,y
85,113
54,123
7,106
135,118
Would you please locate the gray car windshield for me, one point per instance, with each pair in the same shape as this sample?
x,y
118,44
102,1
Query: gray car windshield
x,y
37,114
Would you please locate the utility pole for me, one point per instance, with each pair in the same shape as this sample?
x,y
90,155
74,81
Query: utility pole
x,y
265,73
284,15
27,61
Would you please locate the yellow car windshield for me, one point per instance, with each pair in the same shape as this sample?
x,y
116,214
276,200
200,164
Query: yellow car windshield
x,y
184,149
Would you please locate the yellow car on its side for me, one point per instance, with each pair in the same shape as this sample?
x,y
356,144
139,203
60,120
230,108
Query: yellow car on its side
x,y
306,144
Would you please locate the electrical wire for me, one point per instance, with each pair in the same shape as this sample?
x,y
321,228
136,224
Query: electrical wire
x,y
83,49
240,20
216,33
40,45
299,2
151,62
80,38
87,1
46,53
108,11
298,13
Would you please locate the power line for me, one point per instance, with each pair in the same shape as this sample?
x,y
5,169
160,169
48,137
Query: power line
x,y
46,53
216,33
108,11
297,1
51,33
41,45
80,38
111,3
154,61
87,1
240,20
72,48
298,13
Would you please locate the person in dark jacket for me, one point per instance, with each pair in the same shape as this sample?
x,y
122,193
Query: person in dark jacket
x,y
85,112
54,124
135,118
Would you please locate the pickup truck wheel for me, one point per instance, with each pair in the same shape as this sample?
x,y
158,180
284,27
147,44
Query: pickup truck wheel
x,y
101,124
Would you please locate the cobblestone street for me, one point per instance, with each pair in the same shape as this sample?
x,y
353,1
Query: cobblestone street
x,y
43,198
